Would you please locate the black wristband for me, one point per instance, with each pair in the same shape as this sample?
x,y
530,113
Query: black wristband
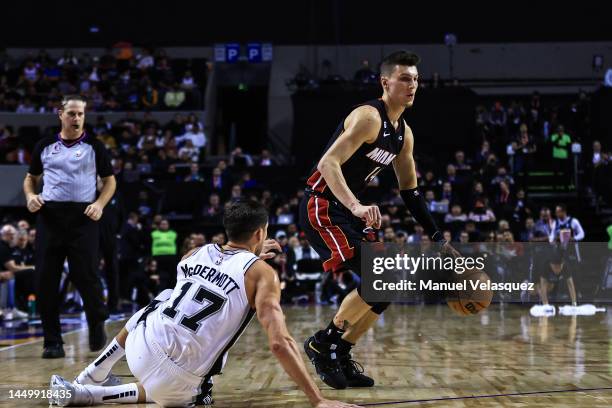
x,y
415,203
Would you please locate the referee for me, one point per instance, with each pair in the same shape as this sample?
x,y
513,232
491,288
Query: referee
x,y
69,163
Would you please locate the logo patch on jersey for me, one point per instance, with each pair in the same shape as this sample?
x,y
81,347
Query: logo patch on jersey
x,y
401,137
385,134
381,156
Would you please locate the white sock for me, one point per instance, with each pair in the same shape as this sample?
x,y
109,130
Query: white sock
x,y
127,393
99,369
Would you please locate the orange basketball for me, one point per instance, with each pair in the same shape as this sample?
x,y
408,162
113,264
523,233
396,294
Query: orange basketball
x,y
470,301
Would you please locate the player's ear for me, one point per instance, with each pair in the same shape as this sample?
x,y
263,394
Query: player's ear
x,y
260,234
385,82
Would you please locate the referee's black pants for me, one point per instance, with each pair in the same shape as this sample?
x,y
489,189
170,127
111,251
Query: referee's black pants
x,y
64,231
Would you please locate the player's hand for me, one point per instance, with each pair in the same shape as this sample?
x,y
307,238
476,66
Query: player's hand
x,y
334,404
94,211
370,214
268,248
35,202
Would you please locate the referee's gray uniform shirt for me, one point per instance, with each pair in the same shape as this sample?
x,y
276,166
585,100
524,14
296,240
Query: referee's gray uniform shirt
x,y
69,168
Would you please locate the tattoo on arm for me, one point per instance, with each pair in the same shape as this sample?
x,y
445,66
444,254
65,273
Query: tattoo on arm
x,y
345,325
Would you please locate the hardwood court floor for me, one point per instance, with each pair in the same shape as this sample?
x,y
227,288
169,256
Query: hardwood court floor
x,y
420,356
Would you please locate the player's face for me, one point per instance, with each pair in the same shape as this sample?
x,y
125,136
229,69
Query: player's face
x,y
559,212
72,116
402,84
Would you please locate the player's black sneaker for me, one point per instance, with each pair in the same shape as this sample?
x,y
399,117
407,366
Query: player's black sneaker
x,y
325,360
353,372
55,350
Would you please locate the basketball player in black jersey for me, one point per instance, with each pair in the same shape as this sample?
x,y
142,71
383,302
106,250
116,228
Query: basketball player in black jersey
x,y
372,137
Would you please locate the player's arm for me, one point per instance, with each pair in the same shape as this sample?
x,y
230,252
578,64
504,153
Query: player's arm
x,y
270,315
263,290
361,126
403,164
552,234
576,226
405,171
32,178
109,185
12,266
34,201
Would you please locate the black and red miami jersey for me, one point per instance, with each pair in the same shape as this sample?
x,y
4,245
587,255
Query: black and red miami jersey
x,y
368,160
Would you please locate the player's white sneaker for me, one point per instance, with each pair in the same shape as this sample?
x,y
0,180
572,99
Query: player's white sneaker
x,y
549,310
542,310
64,393
84,378
14,314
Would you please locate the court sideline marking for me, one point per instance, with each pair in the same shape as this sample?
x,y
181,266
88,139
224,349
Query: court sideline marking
x,y
514,394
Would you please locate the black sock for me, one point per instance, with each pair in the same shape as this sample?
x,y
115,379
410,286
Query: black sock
x,y
344,347
331,334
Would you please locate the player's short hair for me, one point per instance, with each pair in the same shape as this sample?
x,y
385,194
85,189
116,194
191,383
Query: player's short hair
x,y
74,97
401,57
242,218
562,207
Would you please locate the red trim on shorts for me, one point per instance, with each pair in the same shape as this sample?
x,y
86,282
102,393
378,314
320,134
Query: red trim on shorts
x,y
331,234
317,182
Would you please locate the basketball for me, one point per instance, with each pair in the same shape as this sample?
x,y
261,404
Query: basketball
x,y
470,301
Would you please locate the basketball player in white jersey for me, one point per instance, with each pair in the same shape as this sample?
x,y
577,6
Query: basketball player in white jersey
x,y
177,343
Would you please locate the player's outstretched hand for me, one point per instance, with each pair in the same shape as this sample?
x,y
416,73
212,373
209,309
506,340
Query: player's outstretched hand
x,y
334,404
268,248
368,213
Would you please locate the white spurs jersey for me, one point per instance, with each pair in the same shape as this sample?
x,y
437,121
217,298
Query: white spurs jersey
x,y
207,311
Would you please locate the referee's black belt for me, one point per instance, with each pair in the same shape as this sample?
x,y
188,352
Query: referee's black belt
x,y
66,204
